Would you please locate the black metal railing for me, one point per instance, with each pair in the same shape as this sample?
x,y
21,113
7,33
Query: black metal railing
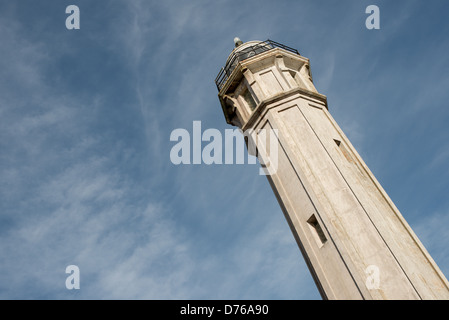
x,y
244,54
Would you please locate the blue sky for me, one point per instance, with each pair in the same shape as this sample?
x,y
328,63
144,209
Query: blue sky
x,y
85,123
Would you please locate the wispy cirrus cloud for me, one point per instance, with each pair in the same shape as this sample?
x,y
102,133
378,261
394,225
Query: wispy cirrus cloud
x,y
73,191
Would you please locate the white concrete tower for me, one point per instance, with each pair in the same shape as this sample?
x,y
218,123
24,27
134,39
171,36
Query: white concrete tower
x,y
355,241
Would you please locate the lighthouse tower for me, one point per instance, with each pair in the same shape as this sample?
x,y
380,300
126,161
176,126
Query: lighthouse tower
x,y
354,240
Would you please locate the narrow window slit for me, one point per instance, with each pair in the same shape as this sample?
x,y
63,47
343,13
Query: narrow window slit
x,y
317,231
343,150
